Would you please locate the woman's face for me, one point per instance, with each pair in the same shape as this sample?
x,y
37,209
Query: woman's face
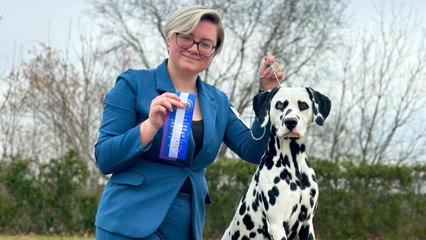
x,y
189,61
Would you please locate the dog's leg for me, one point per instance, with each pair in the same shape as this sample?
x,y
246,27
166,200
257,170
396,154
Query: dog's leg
x,y
277,232
307,231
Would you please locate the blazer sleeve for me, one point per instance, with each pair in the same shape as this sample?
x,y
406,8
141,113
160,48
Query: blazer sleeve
x,y
119,143
239,138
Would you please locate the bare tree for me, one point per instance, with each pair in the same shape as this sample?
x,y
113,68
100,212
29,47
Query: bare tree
x,y
53,104
379,107
9,118
66,101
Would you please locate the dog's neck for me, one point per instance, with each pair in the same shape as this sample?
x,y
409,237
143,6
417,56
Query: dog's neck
x,y
292,145
292,154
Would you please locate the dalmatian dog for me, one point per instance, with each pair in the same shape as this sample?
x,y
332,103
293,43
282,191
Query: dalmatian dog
x,y
283,193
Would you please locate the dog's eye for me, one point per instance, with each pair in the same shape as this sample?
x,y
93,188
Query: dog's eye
x,y
303,105
281,105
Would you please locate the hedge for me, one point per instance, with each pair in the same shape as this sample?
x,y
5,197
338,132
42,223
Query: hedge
x,y
355,201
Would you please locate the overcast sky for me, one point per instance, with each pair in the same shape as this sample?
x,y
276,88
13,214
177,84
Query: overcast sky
x,y
27,22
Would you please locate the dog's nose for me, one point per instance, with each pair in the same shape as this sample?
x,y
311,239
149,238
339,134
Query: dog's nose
x,y
290,123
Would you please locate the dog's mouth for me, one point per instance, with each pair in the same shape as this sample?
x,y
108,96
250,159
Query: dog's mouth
x,y
288,134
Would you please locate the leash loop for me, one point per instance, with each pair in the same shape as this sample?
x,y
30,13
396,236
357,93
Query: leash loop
x,y
251,131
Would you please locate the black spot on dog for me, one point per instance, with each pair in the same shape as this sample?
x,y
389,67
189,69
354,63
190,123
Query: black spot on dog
x,y
285,174
255,204
265,201
248,222
307,163
243,208
259,197
303,233
314,178
295,150
245,238
269,162
236,235
256,176
305,181
302,148
286,227
293,186
299,183
294,209
277,180
264,230
313,192
286,162
303,213
273,194
311,202
252,235
288,112
278,144
280,161
243,198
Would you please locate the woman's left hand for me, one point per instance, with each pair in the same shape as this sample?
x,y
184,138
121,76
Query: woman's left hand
x,y
267,78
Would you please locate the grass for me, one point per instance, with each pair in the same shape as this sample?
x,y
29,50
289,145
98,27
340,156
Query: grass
x,y
22,237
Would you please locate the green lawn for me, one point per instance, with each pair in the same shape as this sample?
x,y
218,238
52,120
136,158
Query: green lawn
x,y
44,238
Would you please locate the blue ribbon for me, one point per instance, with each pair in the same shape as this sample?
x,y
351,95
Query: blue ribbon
x,y
177,127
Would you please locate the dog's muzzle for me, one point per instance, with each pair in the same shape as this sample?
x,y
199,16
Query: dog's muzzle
x,y
288,128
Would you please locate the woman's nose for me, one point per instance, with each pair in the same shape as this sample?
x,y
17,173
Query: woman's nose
x,y
194,48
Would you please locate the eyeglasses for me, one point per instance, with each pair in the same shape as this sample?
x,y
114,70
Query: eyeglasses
x,y
185,41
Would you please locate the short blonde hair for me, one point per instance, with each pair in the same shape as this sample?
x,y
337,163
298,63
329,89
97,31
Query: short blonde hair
x,y
186,19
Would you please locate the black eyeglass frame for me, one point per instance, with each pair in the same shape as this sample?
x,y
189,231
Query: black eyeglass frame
x,y
198,46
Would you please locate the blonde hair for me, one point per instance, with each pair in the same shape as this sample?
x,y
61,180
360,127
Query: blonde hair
x,y
186,19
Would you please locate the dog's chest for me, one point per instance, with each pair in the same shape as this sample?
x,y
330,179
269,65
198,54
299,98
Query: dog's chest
x,y
289,184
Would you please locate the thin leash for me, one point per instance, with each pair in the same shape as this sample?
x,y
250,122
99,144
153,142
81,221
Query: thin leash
x,y
275,74
251,122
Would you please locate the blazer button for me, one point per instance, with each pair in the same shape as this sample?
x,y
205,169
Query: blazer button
x,y
187,169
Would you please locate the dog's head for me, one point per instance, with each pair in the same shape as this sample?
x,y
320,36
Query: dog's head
x,y
291,110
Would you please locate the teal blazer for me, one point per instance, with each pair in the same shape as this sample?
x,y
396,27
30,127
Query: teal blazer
x,y
142,186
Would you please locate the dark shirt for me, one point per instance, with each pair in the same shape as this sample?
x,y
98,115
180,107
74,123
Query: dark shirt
x,y
197,128
197,132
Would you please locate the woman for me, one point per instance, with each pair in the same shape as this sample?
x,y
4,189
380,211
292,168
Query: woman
x,y
148,197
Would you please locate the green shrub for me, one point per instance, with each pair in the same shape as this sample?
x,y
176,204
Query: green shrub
x,y
46,197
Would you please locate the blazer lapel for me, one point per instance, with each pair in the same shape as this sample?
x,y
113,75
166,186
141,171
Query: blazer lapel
x,y
209,111
163,81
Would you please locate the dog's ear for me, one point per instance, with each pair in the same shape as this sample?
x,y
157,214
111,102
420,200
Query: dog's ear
x,y
321,106
261,105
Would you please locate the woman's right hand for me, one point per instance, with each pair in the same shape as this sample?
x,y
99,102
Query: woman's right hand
x,y
160,106
157,115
